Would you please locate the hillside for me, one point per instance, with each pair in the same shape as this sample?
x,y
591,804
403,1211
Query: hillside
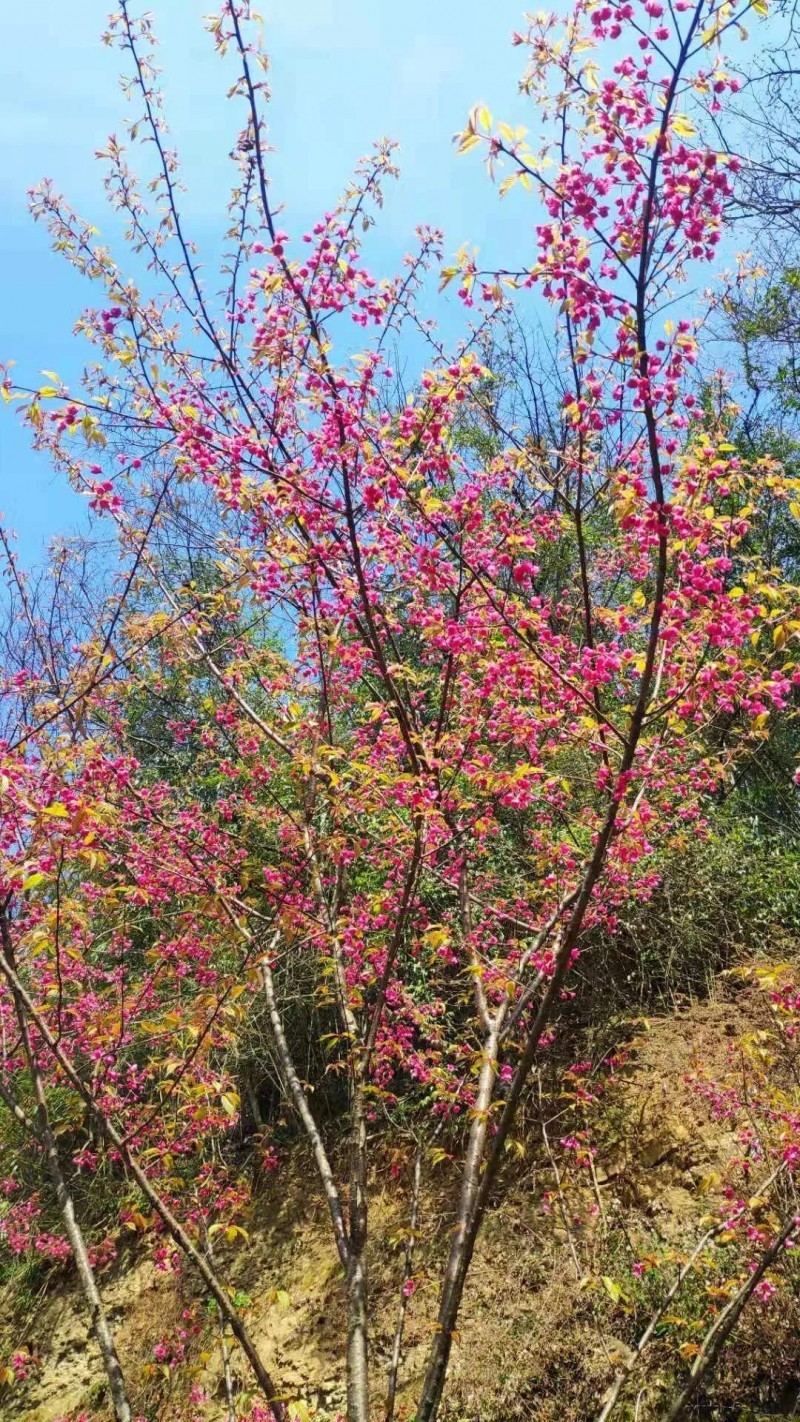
x,y
554,1305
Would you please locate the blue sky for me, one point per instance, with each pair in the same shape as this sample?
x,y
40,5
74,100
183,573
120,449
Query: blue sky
x,y
344,72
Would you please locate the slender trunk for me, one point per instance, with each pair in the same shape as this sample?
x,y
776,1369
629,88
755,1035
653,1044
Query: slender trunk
x,y
357,1284
300,1103
97,1314
462,1240
355,1261
357,1340
397,1347
223,1344
350,1243
451,1294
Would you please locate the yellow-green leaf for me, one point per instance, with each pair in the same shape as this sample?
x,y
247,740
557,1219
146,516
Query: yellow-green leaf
x,y
683,126
612,1288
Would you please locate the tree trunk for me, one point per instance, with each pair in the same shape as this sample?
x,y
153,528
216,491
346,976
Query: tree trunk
x,y
397,1348
461,1245
357,1287
97,1313
357,1341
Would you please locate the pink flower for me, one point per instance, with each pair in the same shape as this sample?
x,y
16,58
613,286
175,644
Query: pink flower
x,y
765,1290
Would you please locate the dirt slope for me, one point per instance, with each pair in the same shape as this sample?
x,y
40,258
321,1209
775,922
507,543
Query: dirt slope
x,y
541,1332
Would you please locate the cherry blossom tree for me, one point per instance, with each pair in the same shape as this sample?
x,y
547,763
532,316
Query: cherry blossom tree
x,y
397,744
